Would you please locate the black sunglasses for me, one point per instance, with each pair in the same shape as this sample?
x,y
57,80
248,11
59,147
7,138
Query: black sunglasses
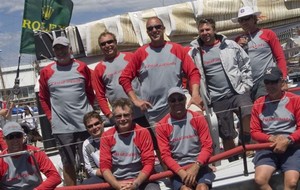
x,y
94,124
12,136
246,18
174,100
107,42
271,82
157,27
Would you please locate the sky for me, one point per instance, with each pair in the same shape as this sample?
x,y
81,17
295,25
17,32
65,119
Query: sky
x,y
11,15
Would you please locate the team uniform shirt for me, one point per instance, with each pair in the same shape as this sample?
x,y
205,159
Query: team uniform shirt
x,y
66,94
184,141
276,117
126,155
107,85
217,81
158,69
20,172
91,153
264,50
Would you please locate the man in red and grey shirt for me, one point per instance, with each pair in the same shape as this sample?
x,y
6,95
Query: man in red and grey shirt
x,y
66,94
159,66
183,138
276,119
263,48
106,77
127,156
23,171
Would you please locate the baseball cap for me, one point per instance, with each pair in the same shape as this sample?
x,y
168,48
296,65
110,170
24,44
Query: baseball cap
x,y
245,11
12,127
174,90
61,40
272,74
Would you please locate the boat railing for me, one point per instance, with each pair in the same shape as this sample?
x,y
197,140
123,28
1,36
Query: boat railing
x,y
154,177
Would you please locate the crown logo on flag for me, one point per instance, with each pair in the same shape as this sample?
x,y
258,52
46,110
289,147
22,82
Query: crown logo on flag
x,y
47,10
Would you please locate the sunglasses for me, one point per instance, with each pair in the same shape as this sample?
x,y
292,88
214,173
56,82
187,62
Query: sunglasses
x,y
94,124
107,42
157,27
13,136
271,82
125,115
243,19
174,100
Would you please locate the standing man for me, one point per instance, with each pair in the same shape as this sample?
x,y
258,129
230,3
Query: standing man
x,y
159,66
107,74
90,150
183,138
23,171
127,151
276,119
226,78
263,47
66,94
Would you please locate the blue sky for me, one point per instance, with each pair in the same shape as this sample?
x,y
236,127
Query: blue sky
x,y
11,14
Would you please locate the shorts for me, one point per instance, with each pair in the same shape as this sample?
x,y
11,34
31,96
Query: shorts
x,y
258,90
284,162
224,110
205,175
67,143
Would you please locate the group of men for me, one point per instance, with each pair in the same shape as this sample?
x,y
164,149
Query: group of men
x,y
151,77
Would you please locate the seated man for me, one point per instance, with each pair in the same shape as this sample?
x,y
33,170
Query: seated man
x,y
127,155
23,171
90,149
276,118
183,138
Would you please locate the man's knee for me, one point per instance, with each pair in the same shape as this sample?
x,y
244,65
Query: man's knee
x,y
291,183
202,186
261,180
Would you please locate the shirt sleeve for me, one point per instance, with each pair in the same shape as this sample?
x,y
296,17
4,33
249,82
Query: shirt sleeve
x,y
100,89
106,143
131,70
48,169
201,126
277,51
88,84
44,94
87,159
189,68
296,105
255,125
144,142
163,131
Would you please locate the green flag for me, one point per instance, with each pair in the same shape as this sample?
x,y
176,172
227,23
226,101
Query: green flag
x,y
45,15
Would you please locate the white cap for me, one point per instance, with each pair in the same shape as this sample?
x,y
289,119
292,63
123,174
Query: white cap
x,y
174,90
245,11
61,40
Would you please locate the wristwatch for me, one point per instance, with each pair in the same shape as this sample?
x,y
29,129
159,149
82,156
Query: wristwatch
x,y
290,140
198,163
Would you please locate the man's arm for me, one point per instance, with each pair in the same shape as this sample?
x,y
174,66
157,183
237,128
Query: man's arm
x,y
47,168
255,125
44,94
100,90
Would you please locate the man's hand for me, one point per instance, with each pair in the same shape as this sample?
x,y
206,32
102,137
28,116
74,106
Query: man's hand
x,y
281,144
196,100
142,104
190,179
285,86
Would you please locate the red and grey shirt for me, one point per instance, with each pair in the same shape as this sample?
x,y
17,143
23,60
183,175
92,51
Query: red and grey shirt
x,y
276,117
126,155
66,94
107,85
158,69
184,141
20,172
264,51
